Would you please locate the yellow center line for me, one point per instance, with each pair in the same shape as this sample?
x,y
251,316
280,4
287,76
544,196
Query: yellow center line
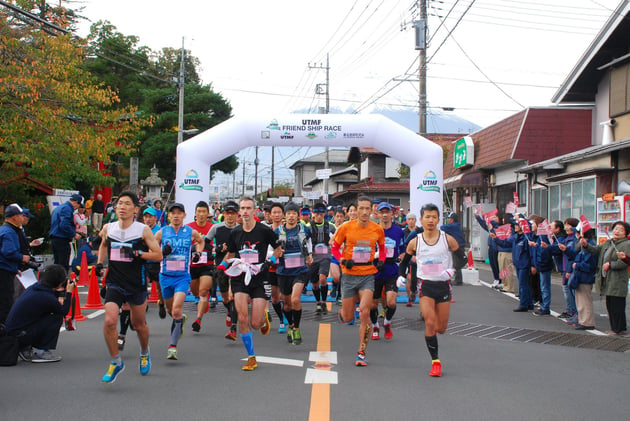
x,y
320,392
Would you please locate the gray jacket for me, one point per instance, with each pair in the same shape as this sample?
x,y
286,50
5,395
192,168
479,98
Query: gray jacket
x,y
615,283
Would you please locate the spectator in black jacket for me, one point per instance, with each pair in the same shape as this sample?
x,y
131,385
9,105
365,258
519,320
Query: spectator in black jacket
x,y
454,229
36,317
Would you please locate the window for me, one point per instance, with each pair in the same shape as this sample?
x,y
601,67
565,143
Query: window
x,y
540,205
619,90
522,192
572,199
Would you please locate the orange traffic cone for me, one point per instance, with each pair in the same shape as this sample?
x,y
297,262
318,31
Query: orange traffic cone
x,y
154,298
84,276
75,307
94,297
471,265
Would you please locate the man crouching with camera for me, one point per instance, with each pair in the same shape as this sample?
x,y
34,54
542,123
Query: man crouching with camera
x,y
36,317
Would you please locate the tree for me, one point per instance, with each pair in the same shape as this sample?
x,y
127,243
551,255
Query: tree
x,y
56,120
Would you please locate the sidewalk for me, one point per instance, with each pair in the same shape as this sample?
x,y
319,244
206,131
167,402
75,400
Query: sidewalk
x,y
557,297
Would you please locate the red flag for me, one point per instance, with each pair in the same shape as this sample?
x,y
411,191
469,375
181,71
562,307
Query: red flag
x,y
544,228
488,215
516,202
511,208
585,224
524,226
503,231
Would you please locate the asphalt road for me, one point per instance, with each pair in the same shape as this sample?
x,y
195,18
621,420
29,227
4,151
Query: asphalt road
x,y
497,365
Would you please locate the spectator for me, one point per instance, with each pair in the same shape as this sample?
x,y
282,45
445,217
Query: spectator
x,y
505,262
63,231
412,232
98,209
10,256
161,215
453,228
91,244
566,248
81,225
542,261
88,208
36,317
611,277
519,244
584,268
25,248
493,251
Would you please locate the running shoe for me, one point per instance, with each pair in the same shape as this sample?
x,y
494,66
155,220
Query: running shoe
x,y
266,326
324,308
360,361
161,309
297,337
228,321
282,328
388,331
231,335
145,364
541,312
318,308
409,303
112,372
196,326
171,353
44,356
436,369
564,315
121,343
69,324
290,331
213,303
375,333
26,354
251,364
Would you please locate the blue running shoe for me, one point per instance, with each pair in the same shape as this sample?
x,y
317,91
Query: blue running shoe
x,y
282,328
112,372
145,364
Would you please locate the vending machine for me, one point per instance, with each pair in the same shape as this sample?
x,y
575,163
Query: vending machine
x,y
610,209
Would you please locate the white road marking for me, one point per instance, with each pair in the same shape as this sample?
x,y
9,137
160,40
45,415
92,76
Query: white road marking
x,y
95,314
320,376
278,361
328,357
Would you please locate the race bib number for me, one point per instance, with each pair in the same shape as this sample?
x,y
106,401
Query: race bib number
x,y
203,259
432,267
321,249
362,252
293,260
390,247
175,263
249,256
121,252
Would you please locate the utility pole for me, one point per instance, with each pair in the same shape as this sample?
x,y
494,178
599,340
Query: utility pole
x,y
273,160
320,91
256,174
243,179
180,119
421,45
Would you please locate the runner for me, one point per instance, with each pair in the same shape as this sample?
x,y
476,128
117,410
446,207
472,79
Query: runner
x,y
152,268
385,279
249,242
276,212
177,241
201,271
127,244
295,239
220,233
334,272
359,239
322,232
432,249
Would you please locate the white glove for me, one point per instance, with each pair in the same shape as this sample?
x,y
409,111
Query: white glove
x,y
401,282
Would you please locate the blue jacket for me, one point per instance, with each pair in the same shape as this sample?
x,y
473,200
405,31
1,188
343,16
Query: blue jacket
x,y
91,257
38,301
10,251
557,253
570,253
585,266
541,257
519,245
455,231
62,222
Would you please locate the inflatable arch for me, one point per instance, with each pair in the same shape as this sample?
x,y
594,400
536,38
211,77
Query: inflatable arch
x,y
196,155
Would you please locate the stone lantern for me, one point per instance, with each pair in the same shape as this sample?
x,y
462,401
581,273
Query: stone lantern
x,y
153,185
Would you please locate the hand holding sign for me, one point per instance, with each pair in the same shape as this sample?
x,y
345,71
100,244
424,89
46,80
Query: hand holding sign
x,y
585,224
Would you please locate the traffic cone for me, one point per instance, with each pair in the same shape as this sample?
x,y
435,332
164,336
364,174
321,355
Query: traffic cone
x,y
471,265
84,276
94,297
153,298
75,307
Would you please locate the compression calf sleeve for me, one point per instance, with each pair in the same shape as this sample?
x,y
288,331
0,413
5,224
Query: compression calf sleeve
x,y
323,290
125,320
278,309
374,316
389,314
297,316
432,345
288,314
176,331
248,343
316,294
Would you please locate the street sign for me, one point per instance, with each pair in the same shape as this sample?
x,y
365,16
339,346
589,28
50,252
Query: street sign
x,y
323,174
464,153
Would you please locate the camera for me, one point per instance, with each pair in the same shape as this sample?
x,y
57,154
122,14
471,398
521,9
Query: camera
x,y
34,263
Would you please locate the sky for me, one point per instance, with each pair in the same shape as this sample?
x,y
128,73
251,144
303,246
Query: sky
x,y
488,59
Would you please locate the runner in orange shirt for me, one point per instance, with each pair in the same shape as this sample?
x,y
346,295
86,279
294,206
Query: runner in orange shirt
x,y
359,239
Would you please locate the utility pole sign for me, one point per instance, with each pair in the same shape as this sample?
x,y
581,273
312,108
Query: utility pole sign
x,y
464,153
